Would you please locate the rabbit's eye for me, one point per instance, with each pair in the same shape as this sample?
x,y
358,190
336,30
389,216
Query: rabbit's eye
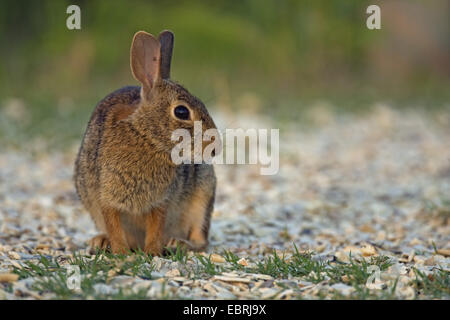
x,y
181,112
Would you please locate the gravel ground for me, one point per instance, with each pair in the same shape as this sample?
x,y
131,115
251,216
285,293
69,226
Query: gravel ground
x,y
349,190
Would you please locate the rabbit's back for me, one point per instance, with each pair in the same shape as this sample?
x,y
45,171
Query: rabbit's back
x,y
87,166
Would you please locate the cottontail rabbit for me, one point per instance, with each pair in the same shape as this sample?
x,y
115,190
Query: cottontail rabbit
x,y
124,175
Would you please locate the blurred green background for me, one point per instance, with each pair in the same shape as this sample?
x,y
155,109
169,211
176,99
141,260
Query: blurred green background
x,y
271,57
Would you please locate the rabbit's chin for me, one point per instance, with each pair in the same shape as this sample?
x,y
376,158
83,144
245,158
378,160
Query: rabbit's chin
x,y
190,160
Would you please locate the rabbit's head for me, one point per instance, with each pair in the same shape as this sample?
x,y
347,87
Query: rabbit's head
x,y
165,106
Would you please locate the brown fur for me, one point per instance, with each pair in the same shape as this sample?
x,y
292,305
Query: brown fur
x,y
124,174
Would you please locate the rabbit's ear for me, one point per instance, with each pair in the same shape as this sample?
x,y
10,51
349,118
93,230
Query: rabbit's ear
x,y
166,41
145,60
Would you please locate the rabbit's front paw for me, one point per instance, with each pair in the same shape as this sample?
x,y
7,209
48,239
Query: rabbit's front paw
x,y
99,242
184,244
198,240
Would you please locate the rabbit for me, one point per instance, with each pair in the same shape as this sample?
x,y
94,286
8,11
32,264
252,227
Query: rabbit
x,y
137,197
